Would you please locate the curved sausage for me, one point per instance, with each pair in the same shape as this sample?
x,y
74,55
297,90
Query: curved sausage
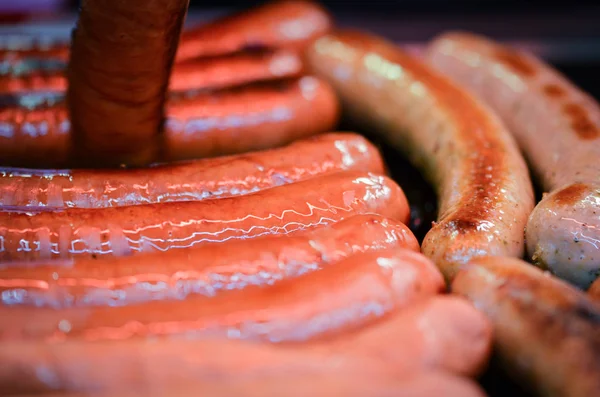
x,y
120,231
290,24
209,73
342,296
165,365
546,332
35,129
121,58
206,270
481,179
594,290
558,128
189,181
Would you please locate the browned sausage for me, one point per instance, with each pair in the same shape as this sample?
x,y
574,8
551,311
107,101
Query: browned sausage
x,y
119,67
440,334
208,73
189,181
345,295
545,331
289,24
459,144
122,231
35,129
558,128
206,270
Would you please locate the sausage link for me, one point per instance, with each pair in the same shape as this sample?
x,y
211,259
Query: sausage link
x,y
205,270
201,124
345,295
481,179
558,128
545,331
119,67
189,181
119,231
594,290
210,73
290,24
163,366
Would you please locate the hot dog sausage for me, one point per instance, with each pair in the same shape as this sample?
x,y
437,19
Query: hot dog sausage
x,y
546,332
205,270
594,290
120,231
198,124
218,72
345,295
481,179
558,128
156,365
189,181
119,67
289,24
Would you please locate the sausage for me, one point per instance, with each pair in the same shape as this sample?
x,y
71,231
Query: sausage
x,y
118,231
120,61
206,270
199,124
189,181
326,384
558,128
290,24
277,24
165,365
460,145
345,295
209,73
545,331
594,290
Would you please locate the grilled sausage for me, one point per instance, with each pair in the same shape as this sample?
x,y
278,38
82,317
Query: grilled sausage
x,y
545,331
200,74
206,270
481,179
120,231
558,129
345,295
189,181
35,129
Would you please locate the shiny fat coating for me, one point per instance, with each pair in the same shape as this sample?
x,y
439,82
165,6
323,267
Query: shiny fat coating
x,y
199,124
481,178
340,297
121,231
208,270
120,61
546,332
189,181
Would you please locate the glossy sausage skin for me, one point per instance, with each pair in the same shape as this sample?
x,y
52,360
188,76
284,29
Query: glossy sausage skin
x,y
464,150
545,331
558,128
206,270
121,231
209,73
343,296
189,181
288,23
35,129
120,61
594,290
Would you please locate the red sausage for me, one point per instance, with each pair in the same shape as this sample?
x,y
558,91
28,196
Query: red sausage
x,y
343,296
189,181
289,24
459,144
120,61
206,270
35,129
122,231
209,73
